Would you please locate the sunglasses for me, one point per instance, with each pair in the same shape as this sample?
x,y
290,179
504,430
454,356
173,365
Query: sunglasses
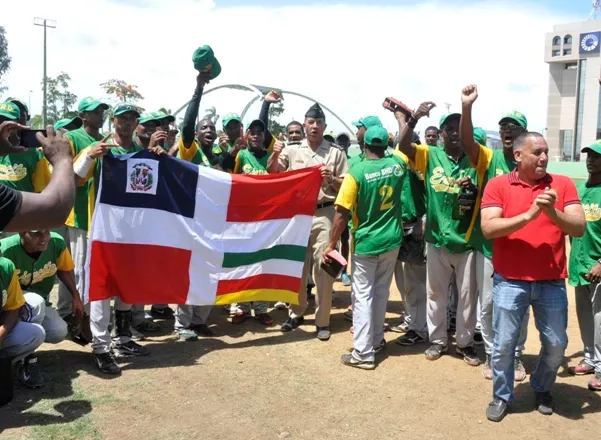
x,y
509,126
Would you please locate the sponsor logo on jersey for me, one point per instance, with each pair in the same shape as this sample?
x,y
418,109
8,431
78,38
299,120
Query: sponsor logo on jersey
x,y
13,172
248,169
592,212
394,170
39,275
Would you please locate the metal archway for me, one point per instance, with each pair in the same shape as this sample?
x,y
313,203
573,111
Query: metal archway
x,y
259,91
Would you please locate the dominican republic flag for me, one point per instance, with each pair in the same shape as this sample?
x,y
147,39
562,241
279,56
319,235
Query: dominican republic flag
x,y
167,231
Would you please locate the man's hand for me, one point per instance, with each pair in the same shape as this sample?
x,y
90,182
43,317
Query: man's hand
x,y
77,308
273,97
325,257
101,148
533,212
55,147
157,150
157,137
401,117
547,200
278,146
203,79
469,95
423,109
224,142
594,275
326,173
7,128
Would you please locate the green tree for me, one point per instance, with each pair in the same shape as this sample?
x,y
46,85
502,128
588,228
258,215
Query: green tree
x,y
60,100
275,111
211,113
4,58
37,122
123,91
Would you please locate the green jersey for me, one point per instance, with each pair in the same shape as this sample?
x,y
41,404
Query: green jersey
x,y
248,163
372,191
441,174
356,159
38,273
586,250
496,165
413,197
195,155
79,140
28,171
12,295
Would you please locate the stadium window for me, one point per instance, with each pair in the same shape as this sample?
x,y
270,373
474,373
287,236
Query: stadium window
x,y
556,41
556,53
567,39
567,52
570,66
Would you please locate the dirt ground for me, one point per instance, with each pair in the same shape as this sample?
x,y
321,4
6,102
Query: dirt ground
x,y
251,382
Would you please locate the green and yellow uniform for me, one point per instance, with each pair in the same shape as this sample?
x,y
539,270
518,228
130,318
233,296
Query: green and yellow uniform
x,y
586,250
79,218
38,274
28,171
12,295
441,173
494,164
356,159
195,155
93,176
248,163
371,190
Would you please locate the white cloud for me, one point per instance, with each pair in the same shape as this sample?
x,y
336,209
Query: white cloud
x,y
348,57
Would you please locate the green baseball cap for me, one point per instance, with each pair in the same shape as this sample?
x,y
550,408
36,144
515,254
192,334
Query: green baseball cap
x,y
161,116
204,61
515,116
376,136
90,104
480,136
256,122
367,122
448,117
231,117
10,110
145,118
21,104
596,147
123,108
62,123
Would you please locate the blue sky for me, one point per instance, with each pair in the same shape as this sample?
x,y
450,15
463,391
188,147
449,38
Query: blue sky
x,y
580,7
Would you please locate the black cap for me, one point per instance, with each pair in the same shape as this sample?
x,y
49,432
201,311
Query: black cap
x,y
316,112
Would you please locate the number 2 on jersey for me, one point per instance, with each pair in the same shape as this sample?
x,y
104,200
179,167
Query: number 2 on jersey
x,y
386,194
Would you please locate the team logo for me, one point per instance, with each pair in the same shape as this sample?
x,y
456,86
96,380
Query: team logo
x,y
12,172
4,298
143,175
592,212
397,171
440,182
499,172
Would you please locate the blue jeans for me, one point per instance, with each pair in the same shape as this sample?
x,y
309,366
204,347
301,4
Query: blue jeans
x,y
511,299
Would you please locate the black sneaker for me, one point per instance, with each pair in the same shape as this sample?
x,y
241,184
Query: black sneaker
x,y
106,363
323,333
349,359
544,403
202,330
478,339
147,326
292,323
469,355
380,347
410,338
166,313
29,373
497,410
129,349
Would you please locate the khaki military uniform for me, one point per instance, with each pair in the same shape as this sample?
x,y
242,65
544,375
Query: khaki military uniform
x,y
295,157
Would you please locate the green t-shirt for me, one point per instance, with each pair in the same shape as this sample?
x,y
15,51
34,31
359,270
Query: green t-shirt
x,y
248,163
28,171
38,274
586,250
441,174
377,206
78,218
498,165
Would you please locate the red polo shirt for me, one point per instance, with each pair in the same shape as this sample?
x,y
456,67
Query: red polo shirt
x,y
537,251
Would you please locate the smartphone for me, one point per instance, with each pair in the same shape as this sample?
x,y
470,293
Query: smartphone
x,y
29,138
394,105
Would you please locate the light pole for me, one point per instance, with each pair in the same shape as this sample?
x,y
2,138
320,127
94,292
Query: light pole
x,y
448,106
47,23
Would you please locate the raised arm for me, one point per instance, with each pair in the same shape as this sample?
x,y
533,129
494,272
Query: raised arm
x,y
466,127
189,126
271,98
406,129
50,208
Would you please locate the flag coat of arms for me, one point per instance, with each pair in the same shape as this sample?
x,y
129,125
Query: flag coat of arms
x,y
168,231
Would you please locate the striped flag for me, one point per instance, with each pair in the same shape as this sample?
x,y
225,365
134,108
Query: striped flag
x,y
167,231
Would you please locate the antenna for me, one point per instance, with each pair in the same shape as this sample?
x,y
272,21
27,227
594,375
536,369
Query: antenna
x,y
595,11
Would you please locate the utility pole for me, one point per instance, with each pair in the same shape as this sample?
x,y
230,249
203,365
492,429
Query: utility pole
x,y
448,106
47,24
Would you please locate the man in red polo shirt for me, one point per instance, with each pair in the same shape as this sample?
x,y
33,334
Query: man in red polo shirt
x,y
527,213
